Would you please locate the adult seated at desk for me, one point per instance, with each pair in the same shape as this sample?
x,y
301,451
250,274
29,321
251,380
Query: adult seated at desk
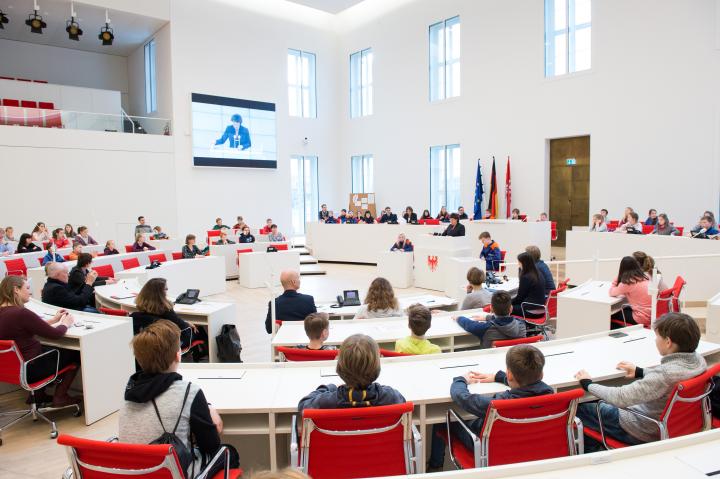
x,y
9,233
631,226
5,249
350,219
531,289
358,365
342,219
461,213
246,236
402,244
663,227
158,233
652,218
323,213
69,231
110,248
190,249
426,215
141,245
265,230
380,301
633,284
368,217
59,239
158,399
78,275
388,217
410,216
317,328
224,239
498,326
59,293
523,374
331,220
477,296
455,228
546,275
51,256
142,228
419,321
83,237
291,305
443,216
598,224
275,235
26,245
21,325
707,230
40,233
698,226
219,225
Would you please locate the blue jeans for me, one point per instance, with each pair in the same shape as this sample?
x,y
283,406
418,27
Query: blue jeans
x,y
437,448
90,309
587,413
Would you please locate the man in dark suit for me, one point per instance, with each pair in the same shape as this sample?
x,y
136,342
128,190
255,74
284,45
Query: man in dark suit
x,y
291,305
389,217
238,135
58,293
455,228
461,213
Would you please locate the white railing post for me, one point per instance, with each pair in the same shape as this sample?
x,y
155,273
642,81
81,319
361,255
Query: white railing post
x,y
653,290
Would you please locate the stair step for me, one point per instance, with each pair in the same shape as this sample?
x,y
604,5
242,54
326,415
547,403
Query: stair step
x,y
311,269
302,250
308,260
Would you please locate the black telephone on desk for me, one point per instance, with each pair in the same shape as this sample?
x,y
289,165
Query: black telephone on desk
x,y
191,296
349,298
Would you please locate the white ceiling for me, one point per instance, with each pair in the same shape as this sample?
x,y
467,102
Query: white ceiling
x,y
331,6
130,30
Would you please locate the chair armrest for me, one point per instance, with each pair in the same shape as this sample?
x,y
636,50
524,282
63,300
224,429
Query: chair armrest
x,y
539,306
660,425
417,450
294,442
28,362
113,439
580,439
454,416
223,452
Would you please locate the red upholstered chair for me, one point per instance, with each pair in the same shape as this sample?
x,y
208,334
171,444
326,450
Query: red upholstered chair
x,y
647,229
245,250
40,260
161,257
16,267
177,255
53,119
13,370
512,342
130,263
500,266
212,234
432,222
114,312
680,229
553,231
297,354
105,270
46,105
386,353
547,311
280,246
687,411
34,117
523,218
28,104
107,460
14,115
128,248
520,430
66,257
10,102
192,343
612,225
677,288
356,442
663,304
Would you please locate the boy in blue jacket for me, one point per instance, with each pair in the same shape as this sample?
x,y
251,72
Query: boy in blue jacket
x,y
491,252
524,375
497,326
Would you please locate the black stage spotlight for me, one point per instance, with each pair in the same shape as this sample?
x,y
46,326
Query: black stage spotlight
x,y
106,35
73,29
35,22
3,20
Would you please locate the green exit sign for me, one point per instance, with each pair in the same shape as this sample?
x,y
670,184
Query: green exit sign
x,y
571,162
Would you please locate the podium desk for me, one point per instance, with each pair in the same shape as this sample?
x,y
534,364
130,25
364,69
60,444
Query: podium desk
x,y
204,273
230,253
456,275
211,315
106,359
428,300
259,267
712,323
396,267
586,309
512,236
432,259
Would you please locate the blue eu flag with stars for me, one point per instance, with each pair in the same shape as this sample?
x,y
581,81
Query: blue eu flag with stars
x,y
478,211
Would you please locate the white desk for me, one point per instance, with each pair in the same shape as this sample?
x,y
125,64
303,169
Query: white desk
x,y
257,401
230,253
106,360
428,300
456,275
696,271
712,323
432,258
586,309
209,314
259,267
174,245
204,273
32,260
396,267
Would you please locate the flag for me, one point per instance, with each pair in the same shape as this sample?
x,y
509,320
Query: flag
x,y
478,212
493,203
508,190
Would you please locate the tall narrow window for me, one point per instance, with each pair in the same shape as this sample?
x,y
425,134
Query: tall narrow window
x,y
362,174
568,28
444,178
150,78
301,84
303,191
445,59
361,83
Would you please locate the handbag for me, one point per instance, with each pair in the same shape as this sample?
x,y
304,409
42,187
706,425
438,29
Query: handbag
x,y
228,344
183,453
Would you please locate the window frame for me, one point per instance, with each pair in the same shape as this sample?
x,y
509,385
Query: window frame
x,y
445,200
306,209
443,67
150,58
361,83
308,110
570,30
366,172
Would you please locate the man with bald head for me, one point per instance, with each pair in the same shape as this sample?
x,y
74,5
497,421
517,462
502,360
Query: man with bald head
x,y
57,292
291,305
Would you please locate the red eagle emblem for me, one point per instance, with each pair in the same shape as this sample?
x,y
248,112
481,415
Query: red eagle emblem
x,y
432,262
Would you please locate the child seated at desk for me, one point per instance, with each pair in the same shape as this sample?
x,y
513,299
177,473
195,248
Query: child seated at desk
x,y
224,239
523,375
110,248
358,365
632,283
477,295
419,321
497,326
491,252
317,328
676,337
158,234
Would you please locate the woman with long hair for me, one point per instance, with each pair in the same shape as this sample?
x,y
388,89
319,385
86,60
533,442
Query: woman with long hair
x,y
598,224
531,289
26,245
40,232
380,301
632,283
647,263
663,226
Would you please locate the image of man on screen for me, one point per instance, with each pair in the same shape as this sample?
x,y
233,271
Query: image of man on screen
x,y
238,135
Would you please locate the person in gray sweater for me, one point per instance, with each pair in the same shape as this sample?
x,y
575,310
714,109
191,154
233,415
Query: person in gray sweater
x,y
477,296
676,338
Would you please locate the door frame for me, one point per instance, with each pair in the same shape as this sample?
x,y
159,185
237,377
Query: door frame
x,y
547,172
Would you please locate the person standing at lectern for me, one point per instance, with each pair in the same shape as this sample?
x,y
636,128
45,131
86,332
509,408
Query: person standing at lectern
x,y
238,135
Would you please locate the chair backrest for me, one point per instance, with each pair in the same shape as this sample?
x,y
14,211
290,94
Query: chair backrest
x,y
280,246
176,255
357,442
551,304
16,267
612,225
297,354
46,105
688,408
11,362
28,104
104,270
677,288
512,342
128,248
130,263
523,218
113,312
647,229
529,429
680,229
386,353
105,460
563,285
432,221
161,257
664,302
10,102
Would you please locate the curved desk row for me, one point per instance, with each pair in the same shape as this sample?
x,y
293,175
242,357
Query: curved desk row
x,y
32,260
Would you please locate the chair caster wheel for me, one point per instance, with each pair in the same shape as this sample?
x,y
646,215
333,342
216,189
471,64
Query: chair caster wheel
x,y
53,435
77,413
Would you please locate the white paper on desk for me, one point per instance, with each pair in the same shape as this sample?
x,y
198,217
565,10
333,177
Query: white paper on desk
x,y
701,460
328,373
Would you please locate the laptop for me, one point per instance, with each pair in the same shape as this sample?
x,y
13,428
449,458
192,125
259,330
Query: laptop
x,y
351,297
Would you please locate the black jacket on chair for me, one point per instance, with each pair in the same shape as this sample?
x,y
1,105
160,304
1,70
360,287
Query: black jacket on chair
x,y
291,306
62,295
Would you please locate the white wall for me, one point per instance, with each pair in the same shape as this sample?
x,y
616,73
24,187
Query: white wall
x,y
163,70
64,66
650,103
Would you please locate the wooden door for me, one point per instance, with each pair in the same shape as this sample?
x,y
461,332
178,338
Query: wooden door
x,y
569,184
